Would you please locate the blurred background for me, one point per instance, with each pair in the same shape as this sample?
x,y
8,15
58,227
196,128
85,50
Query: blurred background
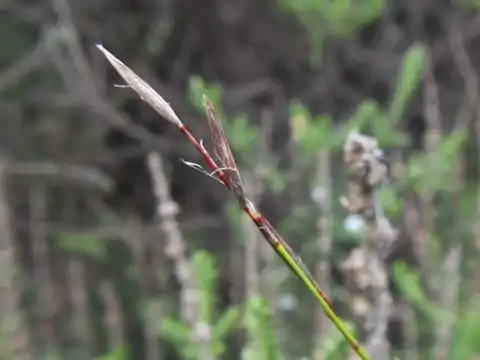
x,y
95,264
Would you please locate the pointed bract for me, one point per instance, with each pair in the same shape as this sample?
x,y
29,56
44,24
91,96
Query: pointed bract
x,y
145,91
223,152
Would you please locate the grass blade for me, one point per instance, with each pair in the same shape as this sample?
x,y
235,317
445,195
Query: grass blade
x,y
228,174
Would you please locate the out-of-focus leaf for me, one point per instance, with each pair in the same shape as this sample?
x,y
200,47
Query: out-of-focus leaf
x,y
407,81
205,276
434,172
300,119
331,343
218,348
190,351
243,136
451,144
392,203
319,134
197,88
226,323
276,180
89,245
258,323
408,280
177,332
120,353
465,344
367,112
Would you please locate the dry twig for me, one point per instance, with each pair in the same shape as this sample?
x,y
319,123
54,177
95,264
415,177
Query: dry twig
x,y
366,273
167,209
113,315
79,301
324,227
15,344
41,263
449,302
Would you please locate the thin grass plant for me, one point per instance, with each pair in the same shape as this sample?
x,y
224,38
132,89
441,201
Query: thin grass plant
x,y
223,168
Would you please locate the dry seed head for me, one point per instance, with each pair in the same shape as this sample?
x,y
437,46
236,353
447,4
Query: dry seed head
x,y
144,90
365,160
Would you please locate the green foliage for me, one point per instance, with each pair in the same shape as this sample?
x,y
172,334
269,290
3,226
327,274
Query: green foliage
x,y
408,280
468,4
465,344
244,136
226,323
466,330
392,203
120,353
383,126
324,18
368,110
469,213
275,179
332,346
315,133
312,133
197,88
383,123
219,325
53,354
262,344
434,172
407,81
92,246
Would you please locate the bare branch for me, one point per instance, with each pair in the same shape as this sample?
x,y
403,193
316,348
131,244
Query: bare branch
x,y
176,250
23,66
420,238
79,301
325,237
113,315
15,344
81,173
367,277
449,302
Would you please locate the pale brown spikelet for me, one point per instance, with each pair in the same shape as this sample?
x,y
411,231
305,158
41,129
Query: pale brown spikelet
x,y
145,91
